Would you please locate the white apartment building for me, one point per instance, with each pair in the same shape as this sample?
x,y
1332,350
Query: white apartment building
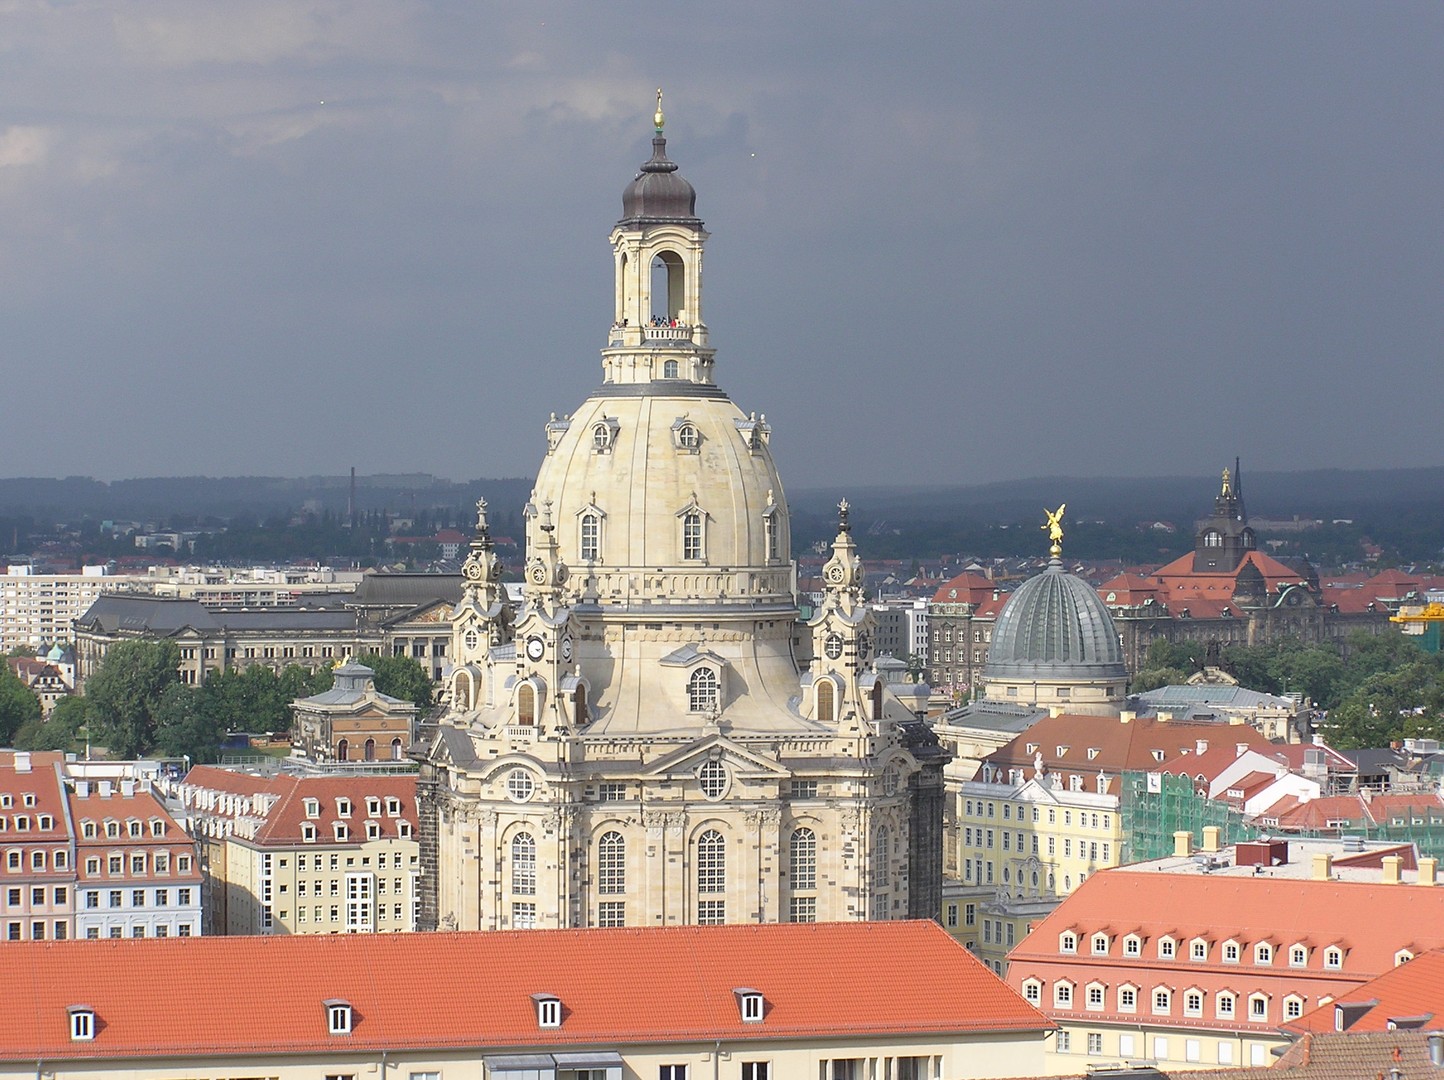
x,y
37,610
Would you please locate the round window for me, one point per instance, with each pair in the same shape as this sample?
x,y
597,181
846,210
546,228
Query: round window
x,y
713,778
471,640
519,785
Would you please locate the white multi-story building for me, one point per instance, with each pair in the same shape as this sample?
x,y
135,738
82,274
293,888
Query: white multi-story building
x,y
137,874
36,610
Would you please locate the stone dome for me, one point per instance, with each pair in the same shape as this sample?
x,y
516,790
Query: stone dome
x,y
638,462
1055,629
659,193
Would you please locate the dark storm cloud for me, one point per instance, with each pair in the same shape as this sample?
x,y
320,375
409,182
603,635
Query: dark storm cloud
x,y
950,241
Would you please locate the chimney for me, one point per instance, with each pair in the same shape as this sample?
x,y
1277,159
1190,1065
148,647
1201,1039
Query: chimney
x,y
82,789
127,788
1391,864
1428,869
1182,843
1323,866
105,789
1436,1050
22,761
1210,837
1201,746
1127,716
1240,749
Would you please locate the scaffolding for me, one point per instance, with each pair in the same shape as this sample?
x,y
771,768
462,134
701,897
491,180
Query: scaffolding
x,y
1154,806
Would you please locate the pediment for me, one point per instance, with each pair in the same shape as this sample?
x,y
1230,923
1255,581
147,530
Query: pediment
x,y
690,656
1036,792
688,759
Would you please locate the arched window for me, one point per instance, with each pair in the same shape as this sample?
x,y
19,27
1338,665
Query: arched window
x,y
772,536
526,704
711,878
877,700
611,864
824,701
804,859
343,751
670,369
1212,538
702,690
692,535
601,437
880,877
591,537
523,865
579,704
370,749
396,749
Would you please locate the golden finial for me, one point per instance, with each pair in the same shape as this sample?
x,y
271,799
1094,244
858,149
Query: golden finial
x,y
659,119
1055,529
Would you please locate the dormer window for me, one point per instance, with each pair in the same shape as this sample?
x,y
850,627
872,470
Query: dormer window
x,y
82,1023
1263,953
1166,948
373,806
343,833
1298,956
548,1010
1100,944
604,435
28,798
393,806
308,832
87,829
1333,958
1068,942
1132,945
373,830
687,438
343,807
313,807
133,827
338,1016
112,829
749,1005
157,827
1198,949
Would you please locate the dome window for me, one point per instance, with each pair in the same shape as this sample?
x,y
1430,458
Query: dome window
x,y
591,538
702,691
671,370
604,435
693,521
685,436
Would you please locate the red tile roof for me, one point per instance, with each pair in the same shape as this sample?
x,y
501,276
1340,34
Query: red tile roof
x,y
636,986
965,589
283,823
1413,989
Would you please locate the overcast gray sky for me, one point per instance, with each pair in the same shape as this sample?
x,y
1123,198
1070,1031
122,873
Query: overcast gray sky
x,y
952,241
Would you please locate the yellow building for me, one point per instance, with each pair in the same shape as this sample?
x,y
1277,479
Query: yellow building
x,y
305,855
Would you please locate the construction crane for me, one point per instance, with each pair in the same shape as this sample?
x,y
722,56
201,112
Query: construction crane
x,y
1421,620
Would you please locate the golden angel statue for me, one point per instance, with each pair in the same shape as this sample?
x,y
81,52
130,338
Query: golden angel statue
x,y
1055,528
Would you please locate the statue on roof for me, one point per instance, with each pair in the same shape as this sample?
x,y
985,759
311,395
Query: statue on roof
x,y
1055,528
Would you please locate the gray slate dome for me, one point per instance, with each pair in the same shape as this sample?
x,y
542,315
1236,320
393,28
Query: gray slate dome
x,y
1055,628
659,193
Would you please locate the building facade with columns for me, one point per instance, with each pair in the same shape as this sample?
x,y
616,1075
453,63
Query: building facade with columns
x,y
652,736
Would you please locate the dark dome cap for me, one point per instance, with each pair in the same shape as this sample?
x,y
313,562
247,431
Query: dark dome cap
x,y
659,193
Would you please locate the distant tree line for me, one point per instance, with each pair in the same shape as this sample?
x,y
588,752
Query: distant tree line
x,y
1376,690
136,705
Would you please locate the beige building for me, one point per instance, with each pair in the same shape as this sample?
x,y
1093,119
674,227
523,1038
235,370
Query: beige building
x,y
305,854
653,737
353,721
680,1003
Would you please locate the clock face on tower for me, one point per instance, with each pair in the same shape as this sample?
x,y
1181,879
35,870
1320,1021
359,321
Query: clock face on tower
x,y
836,573
535,648
832,645
567,649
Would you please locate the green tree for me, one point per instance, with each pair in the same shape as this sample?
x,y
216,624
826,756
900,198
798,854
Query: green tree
x,y
400,677
258,699
1153,678
58,731
18,706
185,727
124,693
